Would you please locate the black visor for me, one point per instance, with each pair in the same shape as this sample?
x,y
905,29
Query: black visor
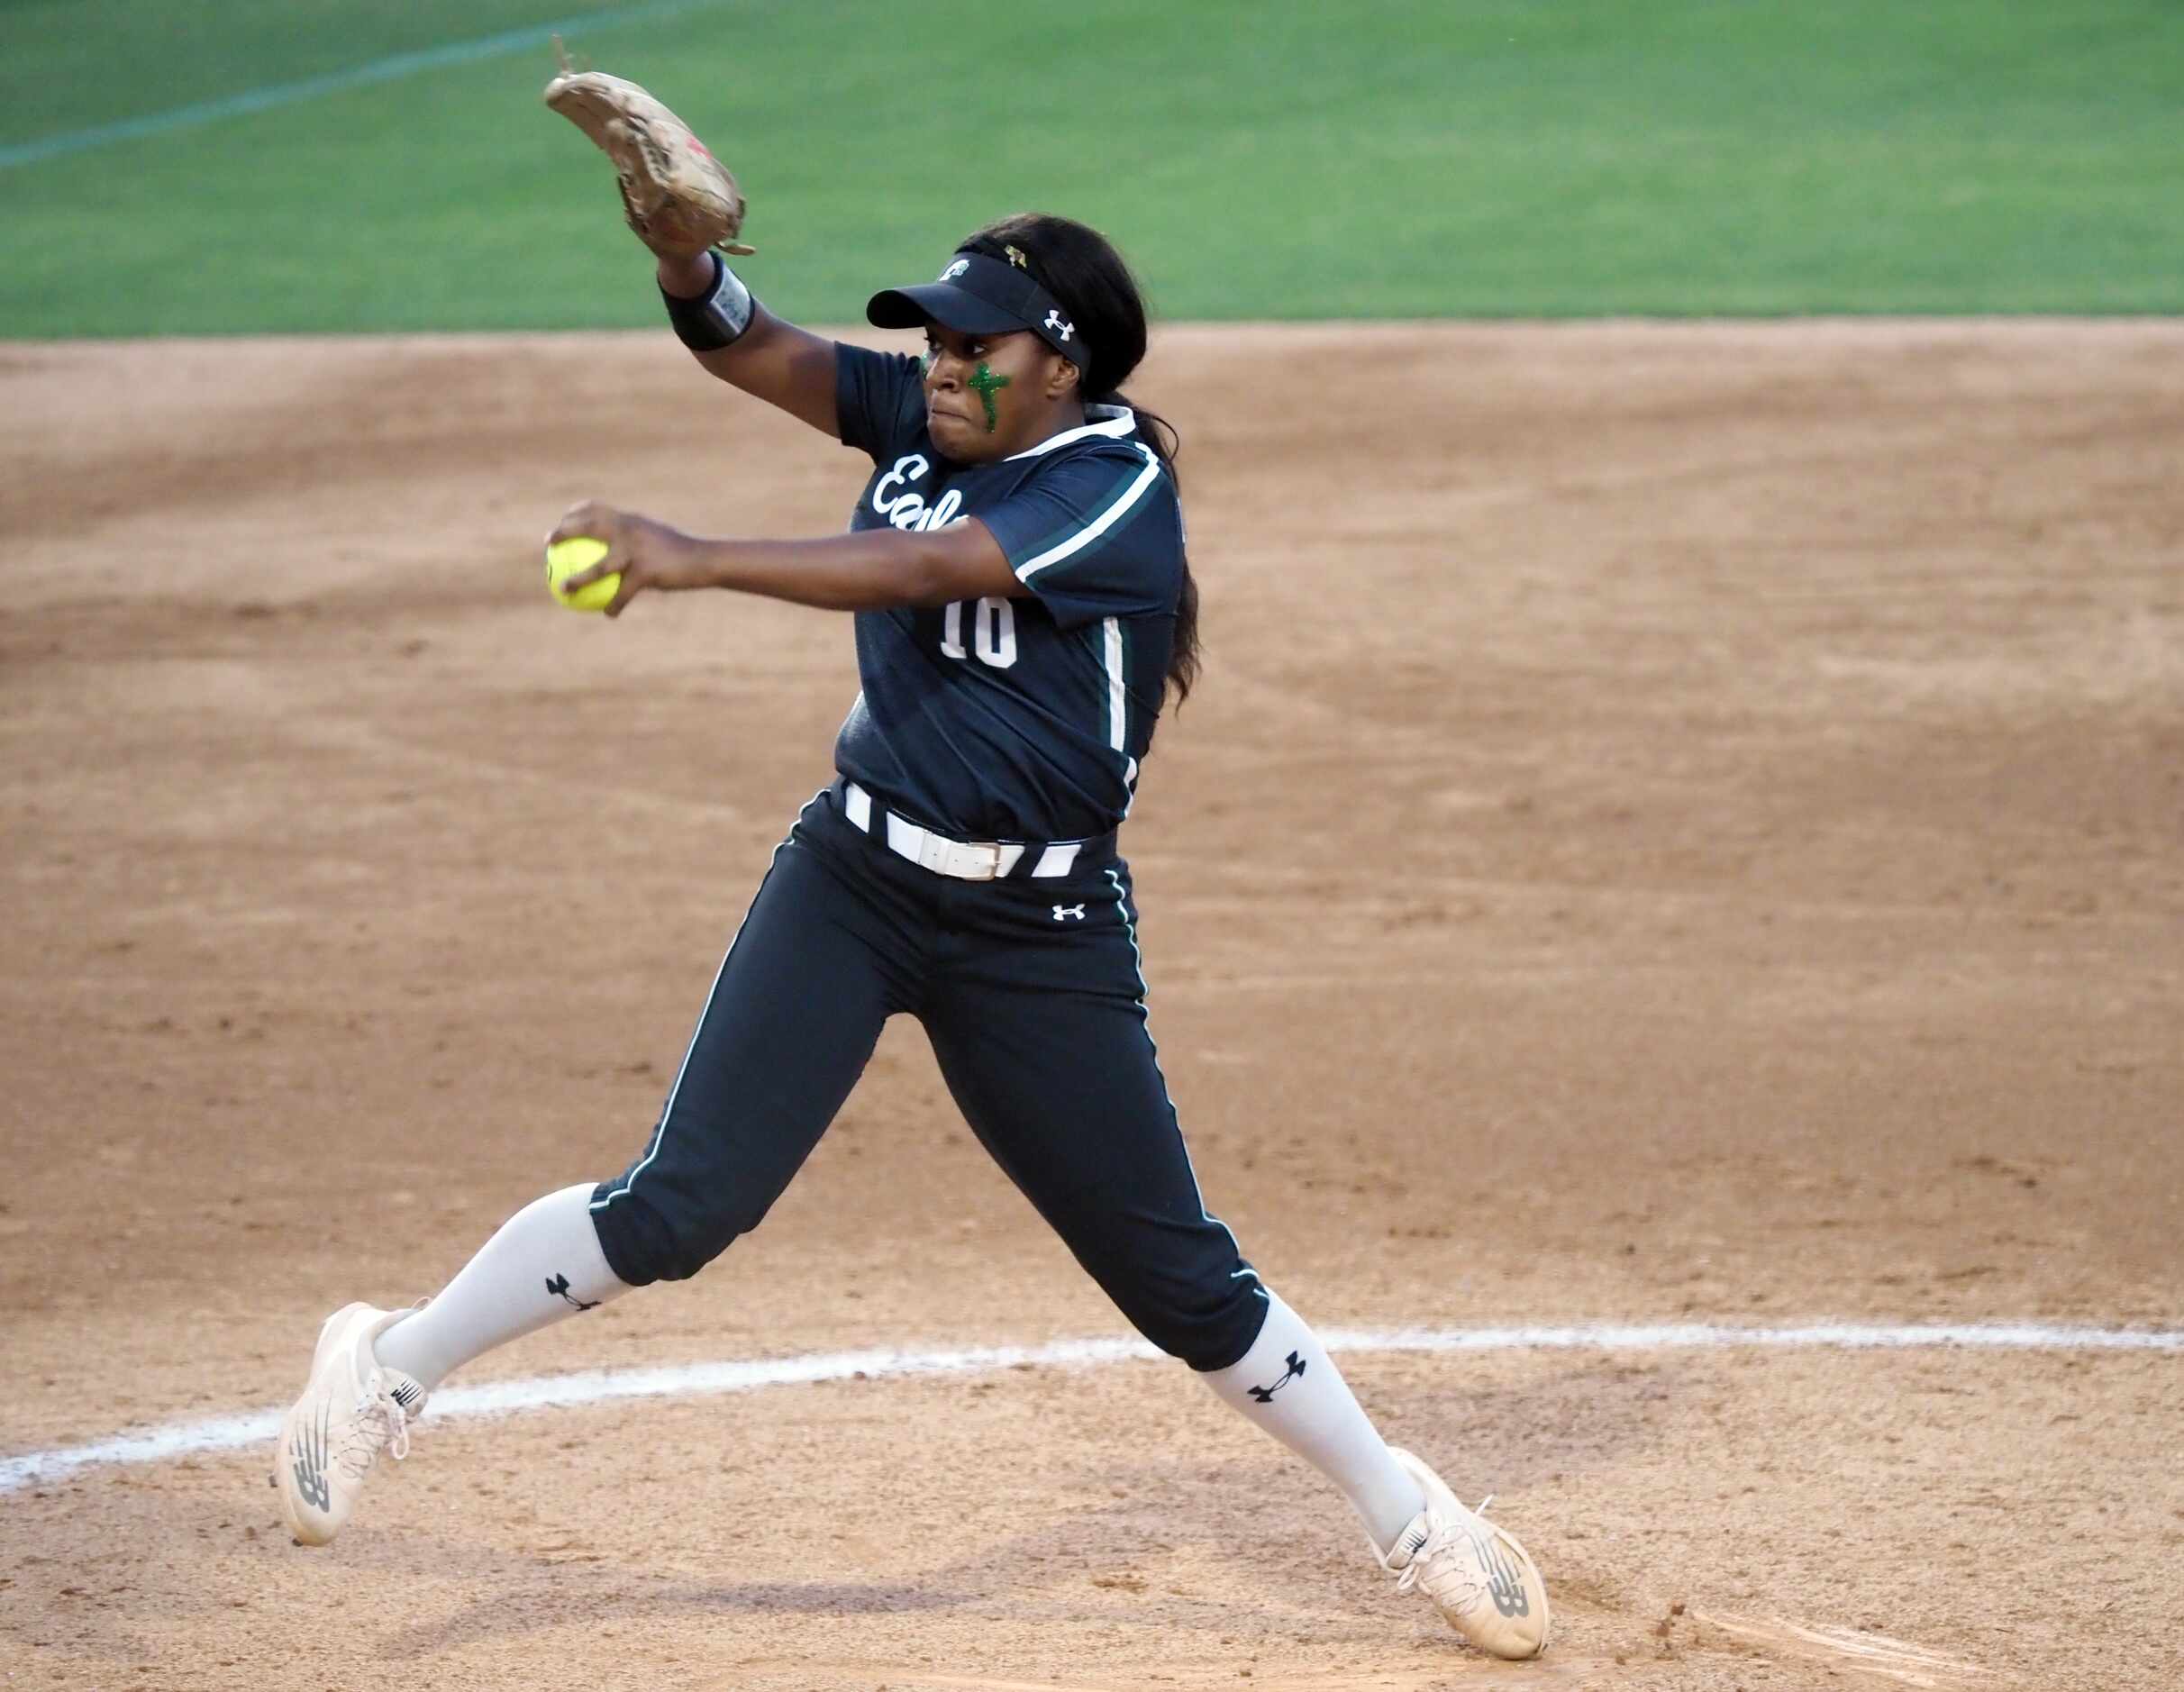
x,y
978,296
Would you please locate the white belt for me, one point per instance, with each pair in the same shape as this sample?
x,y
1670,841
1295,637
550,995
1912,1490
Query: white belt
x,y
966,860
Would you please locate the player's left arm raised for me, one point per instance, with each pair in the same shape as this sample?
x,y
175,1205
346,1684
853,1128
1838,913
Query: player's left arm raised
x,y
683,204
873,569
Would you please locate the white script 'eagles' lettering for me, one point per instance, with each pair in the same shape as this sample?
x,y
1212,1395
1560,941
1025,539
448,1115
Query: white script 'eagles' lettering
x,y
907,468
903,506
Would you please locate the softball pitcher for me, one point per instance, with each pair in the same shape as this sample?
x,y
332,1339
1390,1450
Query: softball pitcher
x,y
1022,607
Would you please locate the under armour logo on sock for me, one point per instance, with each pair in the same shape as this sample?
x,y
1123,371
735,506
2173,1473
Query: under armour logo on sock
x,y
559,1284
1265,1395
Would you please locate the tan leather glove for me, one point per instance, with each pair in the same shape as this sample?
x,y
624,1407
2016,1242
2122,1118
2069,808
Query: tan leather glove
x,y
678,197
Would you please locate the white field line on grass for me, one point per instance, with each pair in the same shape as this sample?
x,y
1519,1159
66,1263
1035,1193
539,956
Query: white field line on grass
x,y
391,68
234,1432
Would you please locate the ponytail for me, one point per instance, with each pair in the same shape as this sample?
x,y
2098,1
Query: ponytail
x,y
1158,433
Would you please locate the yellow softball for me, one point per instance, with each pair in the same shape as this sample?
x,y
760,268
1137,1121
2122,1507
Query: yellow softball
x,y
565,559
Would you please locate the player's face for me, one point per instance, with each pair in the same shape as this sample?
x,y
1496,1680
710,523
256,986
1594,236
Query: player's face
x,y
987,396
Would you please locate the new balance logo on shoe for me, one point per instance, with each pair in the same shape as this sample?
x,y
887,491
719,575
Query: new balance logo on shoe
x,y
310,1465
559,1284
406,1393
1265,1395
1504,1581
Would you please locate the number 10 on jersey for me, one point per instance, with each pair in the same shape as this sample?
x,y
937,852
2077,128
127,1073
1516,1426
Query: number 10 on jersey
x,y
993,630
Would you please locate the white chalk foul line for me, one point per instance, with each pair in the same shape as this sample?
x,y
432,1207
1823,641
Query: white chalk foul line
x,y
1872,1653
391,68
234,1432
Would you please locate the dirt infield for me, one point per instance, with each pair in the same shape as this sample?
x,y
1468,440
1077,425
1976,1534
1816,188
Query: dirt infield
x,y
1681,824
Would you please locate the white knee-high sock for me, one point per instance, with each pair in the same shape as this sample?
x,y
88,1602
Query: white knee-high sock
x,y
543,1265
1287,1385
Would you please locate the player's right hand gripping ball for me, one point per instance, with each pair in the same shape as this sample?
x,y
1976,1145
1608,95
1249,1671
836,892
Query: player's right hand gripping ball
x,y
565,559
678,197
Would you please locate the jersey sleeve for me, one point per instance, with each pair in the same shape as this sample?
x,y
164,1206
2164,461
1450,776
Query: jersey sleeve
x,y
1097,535
879,399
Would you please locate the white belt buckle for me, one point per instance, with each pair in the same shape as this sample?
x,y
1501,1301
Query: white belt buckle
x,y
966,860
970,862
961,860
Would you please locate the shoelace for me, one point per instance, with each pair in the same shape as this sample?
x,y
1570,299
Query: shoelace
x,y
379,1424
1448,1591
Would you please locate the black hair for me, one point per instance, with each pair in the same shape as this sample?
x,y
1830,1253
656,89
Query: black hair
x,y
1075,264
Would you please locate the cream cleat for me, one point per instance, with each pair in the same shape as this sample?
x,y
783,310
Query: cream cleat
x,y
351,1411
1481,1580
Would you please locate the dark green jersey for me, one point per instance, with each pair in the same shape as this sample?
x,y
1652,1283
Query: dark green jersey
x,y
1025,718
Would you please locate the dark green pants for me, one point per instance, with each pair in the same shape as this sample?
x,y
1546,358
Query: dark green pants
x,y
1031,995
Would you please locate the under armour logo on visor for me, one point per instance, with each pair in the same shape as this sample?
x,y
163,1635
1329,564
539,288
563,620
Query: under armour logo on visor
x,y
1054,322
955,271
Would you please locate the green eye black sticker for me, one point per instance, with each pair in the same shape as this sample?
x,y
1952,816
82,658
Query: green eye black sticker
x,y
988,384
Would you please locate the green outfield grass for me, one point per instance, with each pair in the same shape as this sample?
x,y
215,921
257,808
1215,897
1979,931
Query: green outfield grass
x,y
1476,158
